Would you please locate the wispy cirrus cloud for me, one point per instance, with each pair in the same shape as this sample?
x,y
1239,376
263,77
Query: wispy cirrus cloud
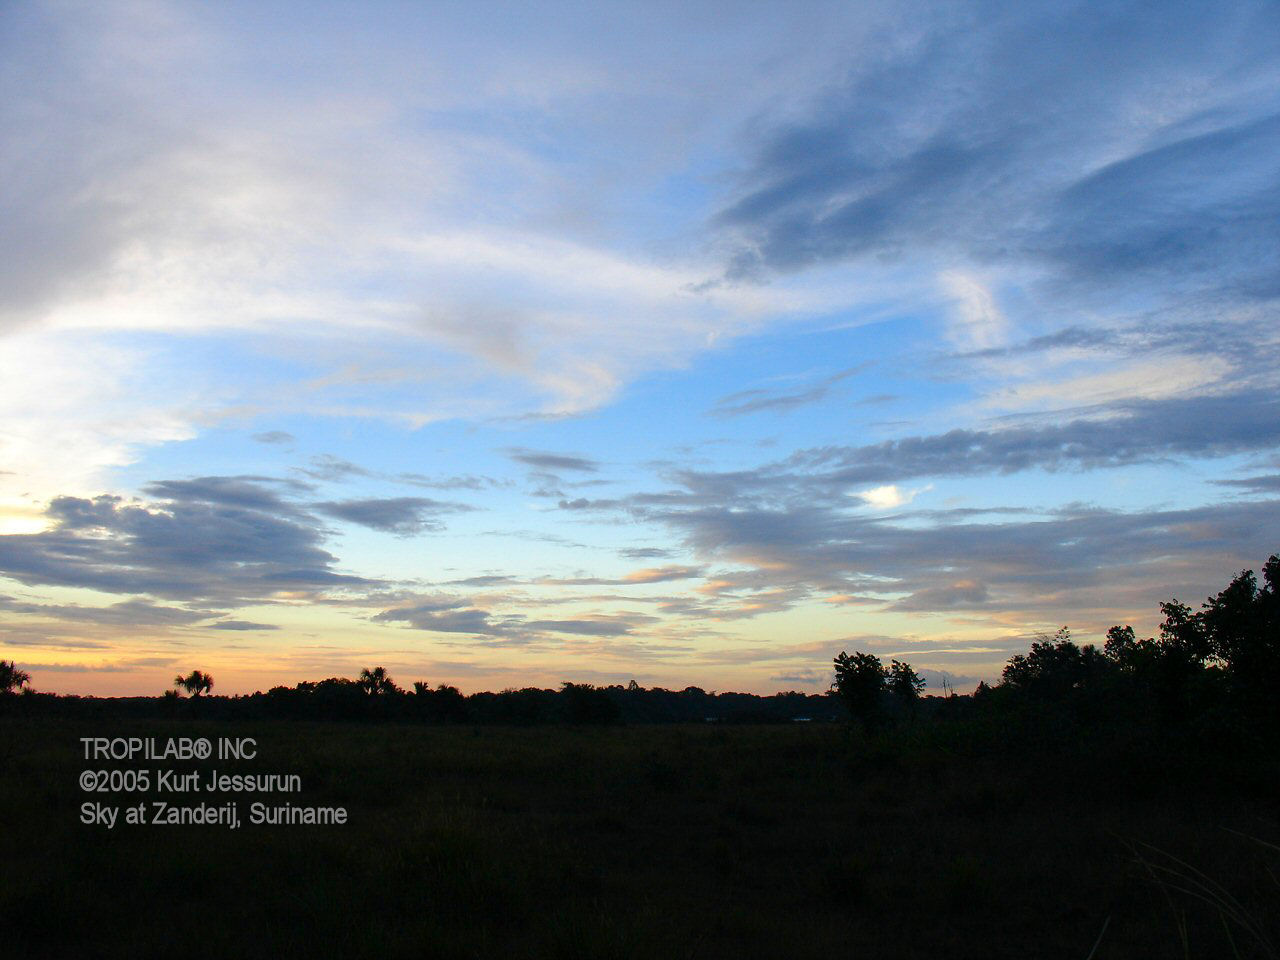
x,y
760,399
942,144
1066,211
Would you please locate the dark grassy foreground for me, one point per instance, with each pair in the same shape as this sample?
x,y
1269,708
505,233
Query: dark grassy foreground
x,y
672,841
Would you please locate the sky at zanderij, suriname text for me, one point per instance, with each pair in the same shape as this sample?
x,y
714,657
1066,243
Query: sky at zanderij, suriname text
x,y
507,344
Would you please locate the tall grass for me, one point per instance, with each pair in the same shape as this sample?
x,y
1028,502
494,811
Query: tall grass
x,y
1246,920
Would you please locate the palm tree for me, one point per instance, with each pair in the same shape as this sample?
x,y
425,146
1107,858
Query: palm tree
x,y
11,678
195,683
376,681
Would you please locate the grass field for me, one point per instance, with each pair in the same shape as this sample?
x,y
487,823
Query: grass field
x,y
658,841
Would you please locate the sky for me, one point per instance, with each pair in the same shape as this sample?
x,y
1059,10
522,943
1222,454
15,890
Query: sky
x,y
506,345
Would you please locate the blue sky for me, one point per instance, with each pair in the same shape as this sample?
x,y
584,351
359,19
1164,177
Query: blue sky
x,y
686,343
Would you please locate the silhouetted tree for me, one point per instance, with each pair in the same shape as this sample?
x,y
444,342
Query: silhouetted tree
x,y
1151,672
902,681
1170,667
338,697
1183,633
1055,667
859,682
450,704
1240,624
195,683
375,682
1231,646
1241,628
1124,649
11,678
585,703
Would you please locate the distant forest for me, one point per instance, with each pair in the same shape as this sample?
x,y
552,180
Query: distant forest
x,y
1218,668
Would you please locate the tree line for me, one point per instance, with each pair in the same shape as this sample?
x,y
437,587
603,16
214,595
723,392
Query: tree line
x,y
1220,662
374,695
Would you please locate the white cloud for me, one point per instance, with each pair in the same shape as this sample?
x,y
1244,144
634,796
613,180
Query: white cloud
x,y
977,321
414,268
890,496
69,412
1158,379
